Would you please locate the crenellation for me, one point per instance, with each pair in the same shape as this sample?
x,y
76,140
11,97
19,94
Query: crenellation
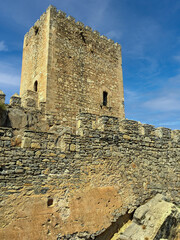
x,y
96,33
88,28
53,9
111,41
149,129
83,28
15,100
37,24
141,129
61,14
104,37
80,24
175,135
163,132
100,136
70,18
117,45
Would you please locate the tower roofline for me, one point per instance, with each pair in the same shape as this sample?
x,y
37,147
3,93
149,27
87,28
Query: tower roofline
x,y
83,27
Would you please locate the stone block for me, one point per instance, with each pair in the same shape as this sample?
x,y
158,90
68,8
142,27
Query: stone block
x,y
15,100
72,147
35,145
126,137
19,171
26,142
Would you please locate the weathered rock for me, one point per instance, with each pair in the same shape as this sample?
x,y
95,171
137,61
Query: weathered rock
x,y
16,117
153,221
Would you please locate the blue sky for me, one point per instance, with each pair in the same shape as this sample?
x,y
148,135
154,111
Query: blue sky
x,y
148,31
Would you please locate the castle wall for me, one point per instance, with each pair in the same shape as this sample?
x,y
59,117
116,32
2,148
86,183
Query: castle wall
x,y
34,61
82,64
108,169
57,184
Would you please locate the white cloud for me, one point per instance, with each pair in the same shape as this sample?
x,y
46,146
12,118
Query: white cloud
x,y
166,103
175,82
167,98
169,123
3,47
177,58
9,79
131,95
114,34
96,15
145,34
9,75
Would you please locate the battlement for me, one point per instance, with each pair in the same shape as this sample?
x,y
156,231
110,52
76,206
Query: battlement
x,y
129,129
87,126
135,158
92,35
71,20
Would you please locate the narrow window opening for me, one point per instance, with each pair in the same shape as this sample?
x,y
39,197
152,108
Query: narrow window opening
x,y
49,202
105,98
36,86
36,30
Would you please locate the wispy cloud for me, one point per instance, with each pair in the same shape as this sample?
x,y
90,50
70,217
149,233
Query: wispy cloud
x,y
96,16
9,75
169,123
131,95
167,98
166,103
174,81
3,47
177,58
114,34
9,79
143,37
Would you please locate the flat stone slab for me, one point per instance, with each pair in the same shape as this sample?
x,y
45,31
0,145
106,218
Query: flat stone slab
x,y
155,220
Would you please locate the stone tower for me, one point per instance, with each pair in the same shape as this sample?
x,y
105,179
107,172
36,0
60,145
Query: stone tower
x,y
67,68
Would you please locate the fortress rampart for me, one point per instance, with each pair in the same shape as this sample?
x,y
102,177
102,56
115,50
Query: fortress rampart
x,y
120,163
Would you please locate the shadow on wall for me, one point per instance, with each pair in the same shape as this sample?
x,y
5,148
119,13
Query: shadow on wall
x,y
11,118
7,110
3,115
17,117
115,226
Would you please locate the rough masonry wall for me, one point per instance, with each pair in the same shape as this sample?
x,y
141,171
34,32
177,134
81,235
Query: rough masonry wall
x,y
35,58
81,65
57,184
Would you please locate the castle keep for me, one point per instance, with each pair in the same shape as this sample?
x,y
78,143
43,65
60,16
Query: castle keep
x,y
68,69
71,165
